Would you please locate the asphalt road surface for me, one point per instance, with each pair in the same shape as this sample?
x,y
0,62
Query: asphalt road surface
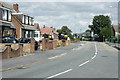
x,y
89,60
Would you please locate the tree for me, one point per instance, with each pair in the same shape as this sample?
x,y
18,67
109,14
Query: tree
x,y
101,26
65,30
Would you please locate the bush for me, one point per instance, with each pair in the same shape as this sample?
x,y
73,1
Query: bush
x,y
50,38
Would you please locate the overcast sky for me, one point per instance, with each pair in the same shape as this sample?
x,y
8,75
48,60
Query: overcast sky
x,y
75,15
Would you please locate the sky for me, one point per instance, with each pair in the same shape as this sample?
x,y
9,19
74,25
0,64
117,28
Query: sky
x,y
76,15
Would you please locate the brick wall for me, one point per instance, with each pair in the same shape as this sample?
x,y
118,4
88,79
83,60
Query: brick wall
x,y
8,52
29,47
14,20
48,44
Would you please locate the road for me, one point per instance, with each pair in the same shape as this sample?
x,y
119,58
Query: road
x,y
88,60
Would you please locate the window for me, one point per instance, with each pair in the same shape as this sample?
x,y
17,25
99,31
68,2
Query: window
x,y
6,30
30,20
4,14
26,19
9,16
31,34
11,31
23,19
35,35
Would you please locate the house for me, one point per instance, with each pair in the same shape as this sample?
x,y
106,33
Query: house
x,y
37,33
24,23
51,32
116,30
7,28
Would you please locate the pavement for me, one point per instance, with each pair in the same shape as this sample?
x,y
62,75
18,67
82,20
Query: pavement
x,y
80,60
39,56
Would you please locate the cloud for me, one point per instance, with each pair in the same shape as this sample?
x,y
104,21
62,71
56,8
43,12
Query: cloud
x,y
83,22
76,15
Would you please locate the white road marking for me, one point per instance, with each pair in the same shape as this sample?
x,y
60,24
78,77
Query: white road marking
x,y
71,69
84,63
91,58
59,74
57,56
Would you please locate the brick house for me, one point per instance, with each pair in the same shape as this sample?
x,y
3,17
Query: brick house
x,y
24,23
7,28
49,31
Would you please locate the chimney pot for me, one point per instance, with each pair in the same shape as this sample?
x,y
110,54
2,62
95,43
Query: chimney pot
x,y
15,6
43,26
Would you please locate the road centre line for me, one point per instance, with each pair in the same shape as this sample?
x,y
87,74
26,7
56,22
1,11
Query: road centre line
x,y
79,65
57,56
59,74
91,58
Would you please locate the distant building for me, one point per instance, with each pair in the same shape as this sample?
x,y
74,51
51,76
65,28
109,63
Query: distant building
x,y
49,31
116,30
37,33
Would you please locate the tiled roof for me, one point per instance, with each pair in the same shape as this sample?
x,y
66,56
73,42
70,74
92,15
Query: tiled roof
x,y
46,30
6,5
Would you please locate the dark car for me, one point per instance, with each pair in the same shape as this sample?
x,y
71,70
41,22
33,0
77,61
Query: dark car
x,y
24,40
27,40
9,39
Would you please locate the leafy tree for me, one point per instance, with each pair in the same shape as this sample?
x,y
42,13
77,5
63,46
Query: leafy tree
x,y
101,26
65,30
45,35
87,30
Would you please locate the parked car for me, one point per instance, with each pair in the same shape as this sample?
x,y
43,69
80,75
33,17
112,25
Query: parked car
x,y
27,40
24,40
9,39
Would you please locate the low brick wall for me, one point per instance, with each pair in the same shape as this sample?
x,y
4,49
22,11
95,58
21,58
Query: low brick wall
x,y
48,44
64,42
9,52
29,47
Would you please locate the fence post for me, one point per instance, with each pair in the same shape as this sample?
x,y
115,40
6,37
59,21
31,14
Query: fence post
x,y
21,49
43,45
32,45
9,55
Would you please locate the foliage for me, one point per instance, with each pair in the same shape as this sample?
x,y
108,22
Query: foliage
x,y
45,35
87,36
106,32
101,26
50,38
66,31
7,34
87,30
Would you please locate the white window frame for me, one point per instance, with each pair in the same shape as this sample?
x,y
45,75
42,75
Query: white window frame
x,y
26,19
23,19
4,14
30,22
9,16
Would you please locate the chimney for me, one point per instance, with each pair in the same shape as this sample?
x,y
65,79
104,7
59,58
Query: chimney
x,y
43,26
36,25
15,6
54,29
0,4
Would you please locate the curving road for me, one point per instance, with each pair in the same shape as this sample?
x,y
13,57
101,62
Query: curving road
x,y
88,60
